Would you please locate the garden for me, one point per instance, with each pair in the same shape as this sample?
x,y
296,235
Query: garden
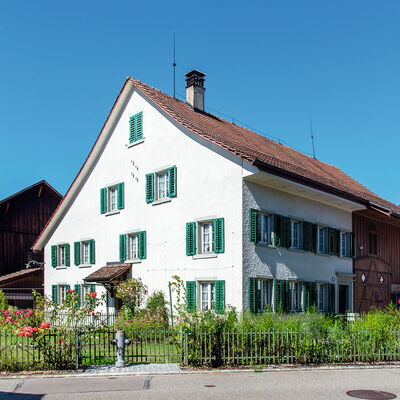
x,y
73,335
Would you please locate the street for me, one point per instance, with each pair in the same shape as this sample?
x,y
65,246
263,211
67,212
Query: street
x,y
293,384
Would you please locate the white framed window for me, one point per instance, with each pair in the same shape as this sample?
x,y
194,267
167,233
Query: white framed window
x,y
265,228
295,296
85,249
322,240
133,246
62,293
264,295
61,255
206,237
321,297
295,234
162,180
207,296
345,244
112,198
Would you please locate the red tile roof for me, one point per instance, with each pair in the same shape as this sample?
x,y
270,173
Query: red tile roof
x,y
259,149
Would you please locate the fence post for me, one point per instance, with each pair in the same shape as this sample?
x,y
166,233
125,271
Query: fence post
x,y
77,349
184,343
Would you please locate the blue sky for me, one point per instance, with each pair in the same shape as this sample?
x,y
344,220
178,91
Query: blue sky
x,y
269,64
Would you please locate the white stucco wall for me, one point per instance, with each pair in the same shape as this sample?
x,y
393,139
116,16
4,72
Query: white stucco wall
x,y
280,263
208,184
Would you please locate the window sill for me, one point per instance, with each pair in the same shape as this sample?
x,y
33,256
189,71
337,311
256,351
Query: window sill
x,y
61,267
161,201
134,261
205,255
129,145
297,250
107,214
84,265
323,254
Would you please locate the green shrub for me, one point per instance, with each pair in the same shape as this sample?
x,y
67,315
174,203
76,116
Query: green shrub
x,y
3,301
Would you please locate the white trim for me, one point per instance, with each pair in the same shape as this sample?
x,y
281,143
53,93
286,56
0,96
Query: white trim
x,y
84,265
204,255
107,214
134,261
61,267
162,169
129,145
161,201
206,219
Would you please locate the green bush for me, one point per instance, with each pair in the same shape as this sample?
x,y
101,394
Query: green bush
x,y
3,301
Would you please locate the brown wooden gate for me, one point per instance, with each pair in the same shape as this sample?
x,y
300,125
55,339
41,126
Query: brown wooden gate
x,y
372,284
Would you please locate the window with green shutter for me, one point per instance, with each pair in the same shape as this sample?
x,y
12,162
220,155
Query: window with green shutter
x,y
254,226
122,247
67,256
92,252
205,237
60,255
136,127
112,198
219,297
252,295
191,295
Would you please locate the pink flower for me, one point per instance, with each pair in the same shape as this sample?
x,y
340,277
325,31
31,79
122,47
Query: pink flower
x,y
45,325
9,319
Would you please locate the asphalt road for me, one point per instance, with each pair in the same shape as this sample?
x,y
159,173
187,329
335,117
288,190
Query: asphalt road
x,y
294,384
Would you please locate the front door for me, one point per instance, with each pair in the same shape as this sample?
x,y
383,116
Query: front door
x,y
343,298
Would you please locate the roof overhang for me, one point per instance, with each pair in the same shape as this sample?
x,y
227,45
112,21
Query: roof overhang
x,y
109,275
296,188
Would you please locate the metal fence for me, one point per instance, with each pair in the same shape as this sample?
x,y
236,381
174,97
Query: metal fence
x,y
69,349
94,320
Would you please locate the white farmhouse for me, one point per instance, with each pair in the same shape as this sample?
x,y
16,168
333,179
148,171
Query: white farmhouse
x,y
169,189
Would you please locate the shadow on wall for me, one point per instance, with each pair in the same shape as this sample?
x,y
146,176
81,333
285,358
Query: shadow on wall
x,y
20,396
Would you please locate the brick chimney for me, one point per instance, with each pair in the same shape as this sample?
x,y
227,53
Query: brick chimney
x,y
195,89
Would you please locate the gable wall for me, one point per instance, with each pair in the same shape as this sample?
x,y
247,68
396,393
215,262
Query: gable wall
x,y
207,185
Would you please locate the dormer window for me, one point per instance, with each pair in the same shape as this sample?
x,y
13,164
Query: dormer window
x,y
112,198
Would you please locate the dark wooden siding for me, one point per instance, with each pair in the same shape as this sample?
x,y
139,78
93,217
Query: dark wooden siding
x,y
21,220
387,257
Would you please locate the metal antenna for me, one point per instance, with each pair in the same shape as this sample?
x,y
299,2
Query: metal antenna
x,y
312,138
174,66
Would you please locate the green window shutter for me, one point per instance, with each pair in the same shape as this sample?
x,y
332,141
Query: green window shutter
x,y
103,200
313,294
331,298
54,256
77,253
306,296
139,125
122,247
254,226
67,257
309,237
149,188
67,287
219,303
336,247
132,129
142,245
351,244
120,196
253,304
287,296
172,181
280,231
219,235
190,238
136,127
279,295
191,295
286,232
77,289
92,252
331,241
92,288
54,293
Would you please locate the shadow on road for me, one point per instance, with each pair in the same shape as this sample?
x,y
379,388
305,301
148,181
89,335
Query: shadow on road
x,y
20,396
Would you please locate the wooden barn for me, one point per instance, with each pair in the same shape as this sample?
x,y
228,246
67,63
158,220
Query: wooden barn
x,y
377,258
22,217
